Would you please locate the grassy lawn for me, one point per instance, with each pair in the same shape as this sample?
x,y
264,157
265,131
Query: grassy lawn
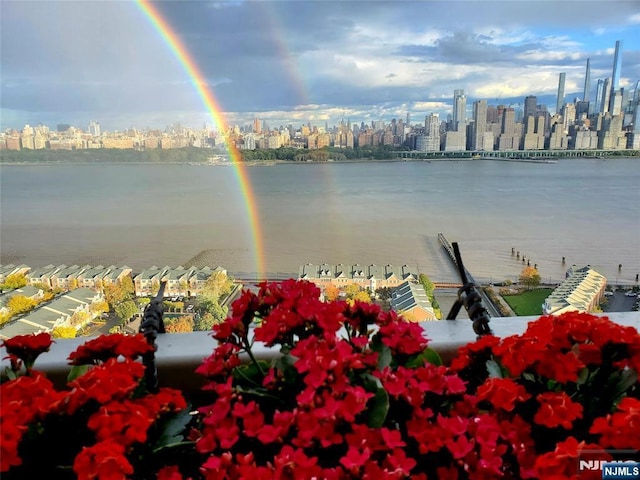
x,y
529,302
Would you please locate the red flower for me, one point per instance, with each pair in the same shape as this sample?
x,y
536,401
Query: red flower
x,y
106,347
620,429
28,347
557,409
502,393
103,461
169,473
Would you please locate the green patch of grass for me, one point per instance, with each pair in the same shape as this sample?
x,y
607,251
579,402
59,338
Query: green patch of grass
x,y
529,302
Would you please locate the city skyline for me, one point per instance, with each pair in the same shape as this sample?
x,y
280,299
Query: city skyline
x,y
293,63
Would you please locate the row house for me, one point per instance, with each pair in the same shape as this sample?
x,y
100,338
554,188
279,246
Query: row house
x,y
411,301
11,269
63,311
367,276
180,281
581,291
71,277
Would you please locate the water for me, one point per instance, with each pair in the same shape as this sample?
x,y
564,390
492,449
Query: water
x,y
141,215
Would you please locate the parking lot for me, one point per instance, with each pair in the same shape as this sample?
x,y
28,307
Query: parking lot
x,y
621,302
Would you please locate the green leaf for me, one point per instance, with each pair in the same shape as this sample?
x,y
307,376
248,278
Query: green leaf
x,y
627,380
384,357
285,364
250,374
428,355
174,429
77,371
583,376
378,408
494,369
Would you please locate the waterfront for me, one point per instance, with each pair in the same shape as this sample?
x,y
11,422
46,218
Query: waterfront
x,y
141,215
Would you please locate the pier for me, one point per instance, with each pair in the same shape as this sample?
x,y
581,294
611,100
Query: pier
x,y
488,304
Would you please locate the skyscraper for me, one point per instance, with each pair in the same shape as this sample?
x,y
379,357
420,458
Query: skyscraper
x,y
459,110
617,65
615,78
606,95
479,124
530,106
599,92
560,101
587,83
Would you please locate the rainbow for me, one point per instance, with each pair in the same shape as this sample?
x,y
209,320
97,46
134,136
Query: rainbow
x,y
213,108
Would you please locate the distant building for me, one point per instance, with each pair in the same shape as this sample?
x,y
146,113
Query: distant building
x,y
365,276
580,292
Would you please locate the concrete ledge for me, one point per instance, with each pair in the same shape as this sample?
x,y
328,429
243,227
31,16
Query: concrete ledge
x,y
179,354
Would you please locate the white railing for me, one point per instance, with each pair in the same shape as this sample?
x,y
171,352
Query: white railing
x,y
179,354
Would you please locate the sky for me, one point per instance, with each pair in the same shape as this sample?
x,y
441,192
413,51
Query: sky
x,y
293,62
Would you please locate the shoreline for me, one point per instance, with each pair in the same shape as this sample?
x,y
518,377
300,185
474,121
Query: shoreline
x,y
271,163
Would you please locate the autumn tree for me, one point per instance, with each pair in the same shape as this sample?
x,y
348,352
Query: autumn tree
x,y
79,318
428,285
217,285
351,290
13,281
64,332
529,277
115,294
99,307
182,324
331,292
362,296
20,304
204,322
127,285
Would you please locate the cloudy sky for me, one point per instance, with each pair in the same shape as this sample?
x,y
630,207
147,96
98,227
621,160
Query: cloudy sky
x,y
298,61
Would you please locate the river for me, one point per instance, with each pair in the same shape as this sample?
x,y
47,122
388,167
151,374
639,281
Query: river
x,y
586,210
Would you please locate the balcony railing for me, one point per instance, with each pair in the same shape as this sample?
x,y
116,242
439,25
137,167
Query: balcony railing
x,y
179,354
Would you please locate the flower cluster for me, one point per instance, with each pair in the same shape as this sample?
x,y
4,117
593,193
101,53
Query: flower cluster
x,y
97,428
356,393
349,391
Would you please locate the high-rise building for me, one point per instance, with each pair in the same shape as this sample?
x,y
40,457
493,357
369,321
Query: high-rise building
x,y
479,125
615,80
599,95
530,106
606,95
560,101
587,83
459,110
94,129
617,66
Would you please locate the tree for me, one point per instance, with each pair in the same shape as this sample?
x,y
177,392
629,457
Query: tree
x,y
125,310
351,290
79,318
428,285
13,281
115,294
20,304
204,322
217,285
529,277
64,332
181,324
127,285
99,307
384,293
362,296
331,292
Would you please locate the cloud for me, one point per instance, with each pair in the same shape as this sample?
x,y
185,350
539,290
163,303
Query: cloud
x,y
363,59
